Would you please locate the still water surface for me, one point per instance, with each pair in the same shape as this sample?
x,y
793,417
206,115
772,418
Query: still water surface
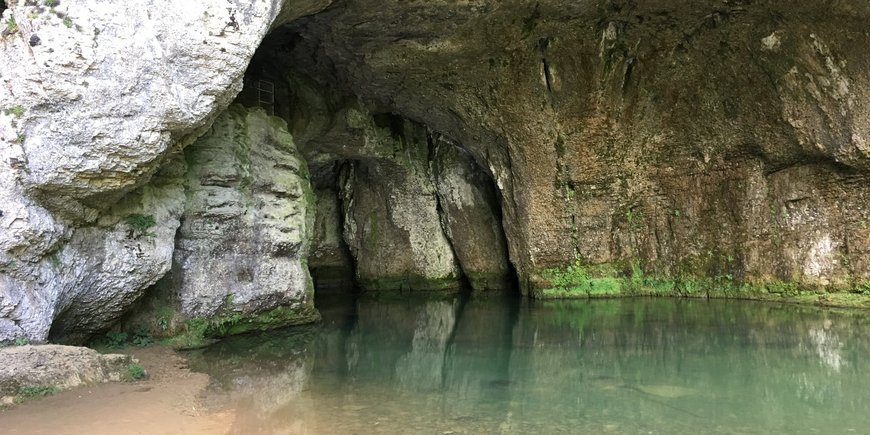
x,y
504,366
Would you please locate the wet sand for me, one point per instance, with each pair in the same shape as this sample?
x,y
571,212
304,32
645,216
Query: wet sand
x,y
166,403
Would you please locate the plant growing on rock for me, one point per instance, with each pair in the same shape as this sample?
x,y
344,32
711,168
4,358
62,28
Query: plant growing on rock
x,y
11,25
140,224
16,111
25,393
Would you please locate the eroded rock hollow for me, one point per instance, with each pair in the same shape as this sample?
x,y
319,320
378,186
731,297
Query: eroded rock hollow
x,y
716,149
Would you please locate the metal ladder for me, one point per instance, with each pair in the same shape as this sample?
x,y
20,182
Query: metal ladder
x,y
266,96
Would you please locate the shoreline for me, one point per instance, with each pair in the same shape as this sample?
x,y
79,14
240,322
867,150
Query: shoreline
x,y
168,401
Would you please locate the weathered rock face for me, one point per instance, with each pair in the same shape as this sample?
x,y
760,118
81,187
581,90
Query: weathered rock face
x,y
98,99
679,142
57,368
247,222
391,221
85,284
471,217
108,89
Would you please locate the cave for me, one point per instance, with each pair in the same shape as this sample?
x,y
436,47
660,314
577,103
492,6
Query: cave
x,y
426,216
548,151
428,236
605,141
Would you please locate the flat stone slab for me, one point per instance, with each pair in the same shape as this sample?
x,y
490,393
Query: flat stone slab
x,y
57,367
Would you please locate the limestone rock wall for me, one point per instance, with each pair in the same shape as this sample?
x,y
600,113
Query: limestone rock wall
x,y
471,217
686,141
248,220
391,219
84,284
98,99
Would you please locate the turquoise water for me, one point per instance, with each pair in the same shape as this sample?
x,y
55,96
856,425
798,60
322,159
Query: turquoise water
x,y
456,366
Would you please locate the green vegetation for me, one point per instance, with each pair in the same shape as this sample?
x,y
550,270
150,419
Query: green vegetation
x,y
616,280
11,25
16,111
577,280
32,392
20,341
141,337
67,22
137,372
199,332
50,3
111,340
163,316
55,260
140,224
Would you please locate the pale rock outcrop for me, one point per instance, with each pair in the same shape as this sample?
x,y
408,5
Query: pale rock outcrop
x,y
55,368
107,88
96,97
391,217
86,283
247,224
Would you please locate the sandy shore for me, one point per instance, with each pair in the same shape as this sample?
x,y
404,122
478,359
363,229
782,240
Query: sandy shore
x,y
167,403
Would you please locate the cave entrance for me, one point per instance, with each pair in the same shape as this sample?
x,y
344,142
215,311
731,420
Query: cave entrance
x,y
399,205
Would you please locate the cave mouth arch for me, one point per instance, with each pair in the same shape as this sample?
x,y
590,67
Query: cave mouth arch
x,y
400,206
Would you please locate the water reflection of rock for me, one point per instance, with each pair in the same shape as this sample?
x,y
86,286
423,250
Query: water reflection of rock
x,y
828,345
483,366
260,377
423,366
624,358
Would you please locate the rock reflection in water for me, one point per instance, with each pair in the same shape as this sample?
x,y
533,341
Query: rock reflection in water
x,y
484,366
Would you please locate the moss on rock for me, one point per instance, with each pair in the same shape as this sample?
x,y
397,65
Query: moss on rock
x,y
609,280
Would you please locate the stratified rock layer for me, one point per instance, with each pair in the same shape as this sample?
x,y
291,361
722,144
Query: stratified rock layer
x,y
243,246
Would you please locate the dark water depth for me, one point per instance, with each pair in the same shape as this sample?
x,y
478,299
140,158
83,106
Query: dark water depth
x,y
503,366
